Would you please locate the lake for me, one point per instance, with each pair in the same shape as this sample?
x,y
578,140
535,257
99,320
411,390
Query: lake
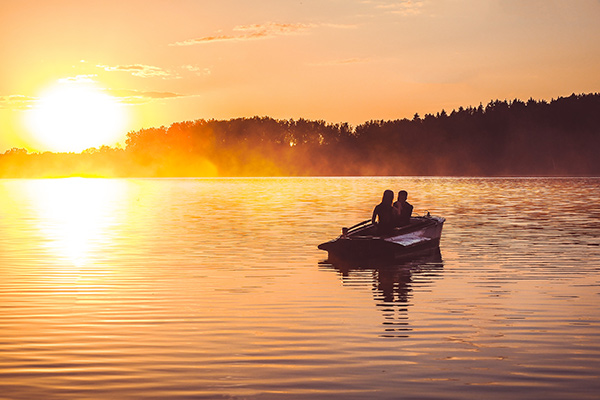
x,y
215,289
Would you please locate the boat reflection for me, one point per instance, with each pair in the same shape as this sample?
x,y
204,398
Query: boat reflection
x,y
392,284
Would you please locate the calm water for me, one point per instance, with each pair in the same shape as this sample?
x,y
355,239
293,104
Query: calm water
x,y
215,289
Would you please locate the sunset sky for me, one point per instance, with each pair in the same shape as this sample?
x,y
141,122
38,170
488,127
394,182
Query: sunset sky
x,y
122,65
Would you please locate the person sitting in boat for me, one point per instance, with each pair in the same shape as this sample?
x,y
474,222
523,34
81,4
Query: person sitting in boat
x,y
383,214
402,209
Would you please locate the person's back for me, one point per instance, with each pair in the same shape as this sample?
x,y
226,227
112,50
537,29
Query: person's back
x,y
402,209
383,214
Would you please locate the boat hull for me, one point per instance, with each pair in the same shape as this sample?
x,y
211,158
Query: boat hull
x,y
420,236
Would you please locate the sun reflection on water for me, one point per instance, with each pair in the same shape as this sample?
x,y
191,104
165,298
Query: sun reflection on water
x,y
214,288
76,215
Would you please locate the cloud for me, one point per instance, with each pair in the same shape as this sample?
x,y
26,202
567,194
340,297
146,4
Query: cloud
x,y
250,32
16,102
403,7
125,96
128,96
342,26
197,70
344,61
140,70
79,79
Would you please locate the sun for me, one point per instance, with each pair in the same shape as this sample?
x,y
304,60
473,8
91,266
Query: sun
x,y
74,116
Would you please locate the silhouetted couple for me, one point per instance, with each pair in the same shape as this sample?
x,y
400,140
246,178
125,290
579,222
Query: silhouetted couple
x,y
387,216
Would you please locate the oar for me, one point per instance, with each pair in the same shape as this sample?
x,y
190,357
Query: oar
x,y
345,231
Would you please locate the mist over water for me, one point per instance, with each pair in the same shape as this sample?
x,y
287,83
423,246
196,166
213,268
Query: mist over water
x,y
214,288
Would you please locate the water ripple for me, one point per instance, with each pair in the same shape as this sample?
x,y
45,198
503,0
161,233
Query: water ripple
x,y
214,288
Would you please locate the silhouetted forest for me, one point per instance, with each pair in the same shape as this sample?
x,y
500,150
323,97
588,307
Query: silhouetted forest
x,y
503,138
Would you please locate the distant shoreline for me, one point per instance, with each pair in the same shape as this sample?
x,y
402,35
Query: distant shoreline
x,y
560,138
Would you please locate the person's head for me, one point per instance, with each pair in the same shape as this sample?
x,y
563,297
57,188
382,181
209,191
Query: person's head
x,y
388,197
402,195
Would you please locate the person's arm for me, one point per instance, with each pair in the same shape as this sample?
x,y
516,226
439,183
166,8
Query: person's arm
x,y
374,217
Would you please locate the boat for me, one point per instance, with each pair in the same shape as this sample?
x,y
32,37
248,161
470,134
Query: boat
x,y
361,241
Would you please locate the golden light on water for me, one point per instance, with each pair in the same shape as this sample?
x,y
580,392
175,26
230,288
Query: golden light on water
x,y
213,288
76,115
77,216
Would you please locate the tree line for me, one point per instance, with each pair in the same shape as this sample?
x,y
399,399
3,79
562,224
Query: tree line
x,y
502,138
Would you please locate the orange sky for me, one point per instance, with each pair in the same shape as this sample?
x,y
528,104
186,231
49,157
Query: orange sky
x,y
336,60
